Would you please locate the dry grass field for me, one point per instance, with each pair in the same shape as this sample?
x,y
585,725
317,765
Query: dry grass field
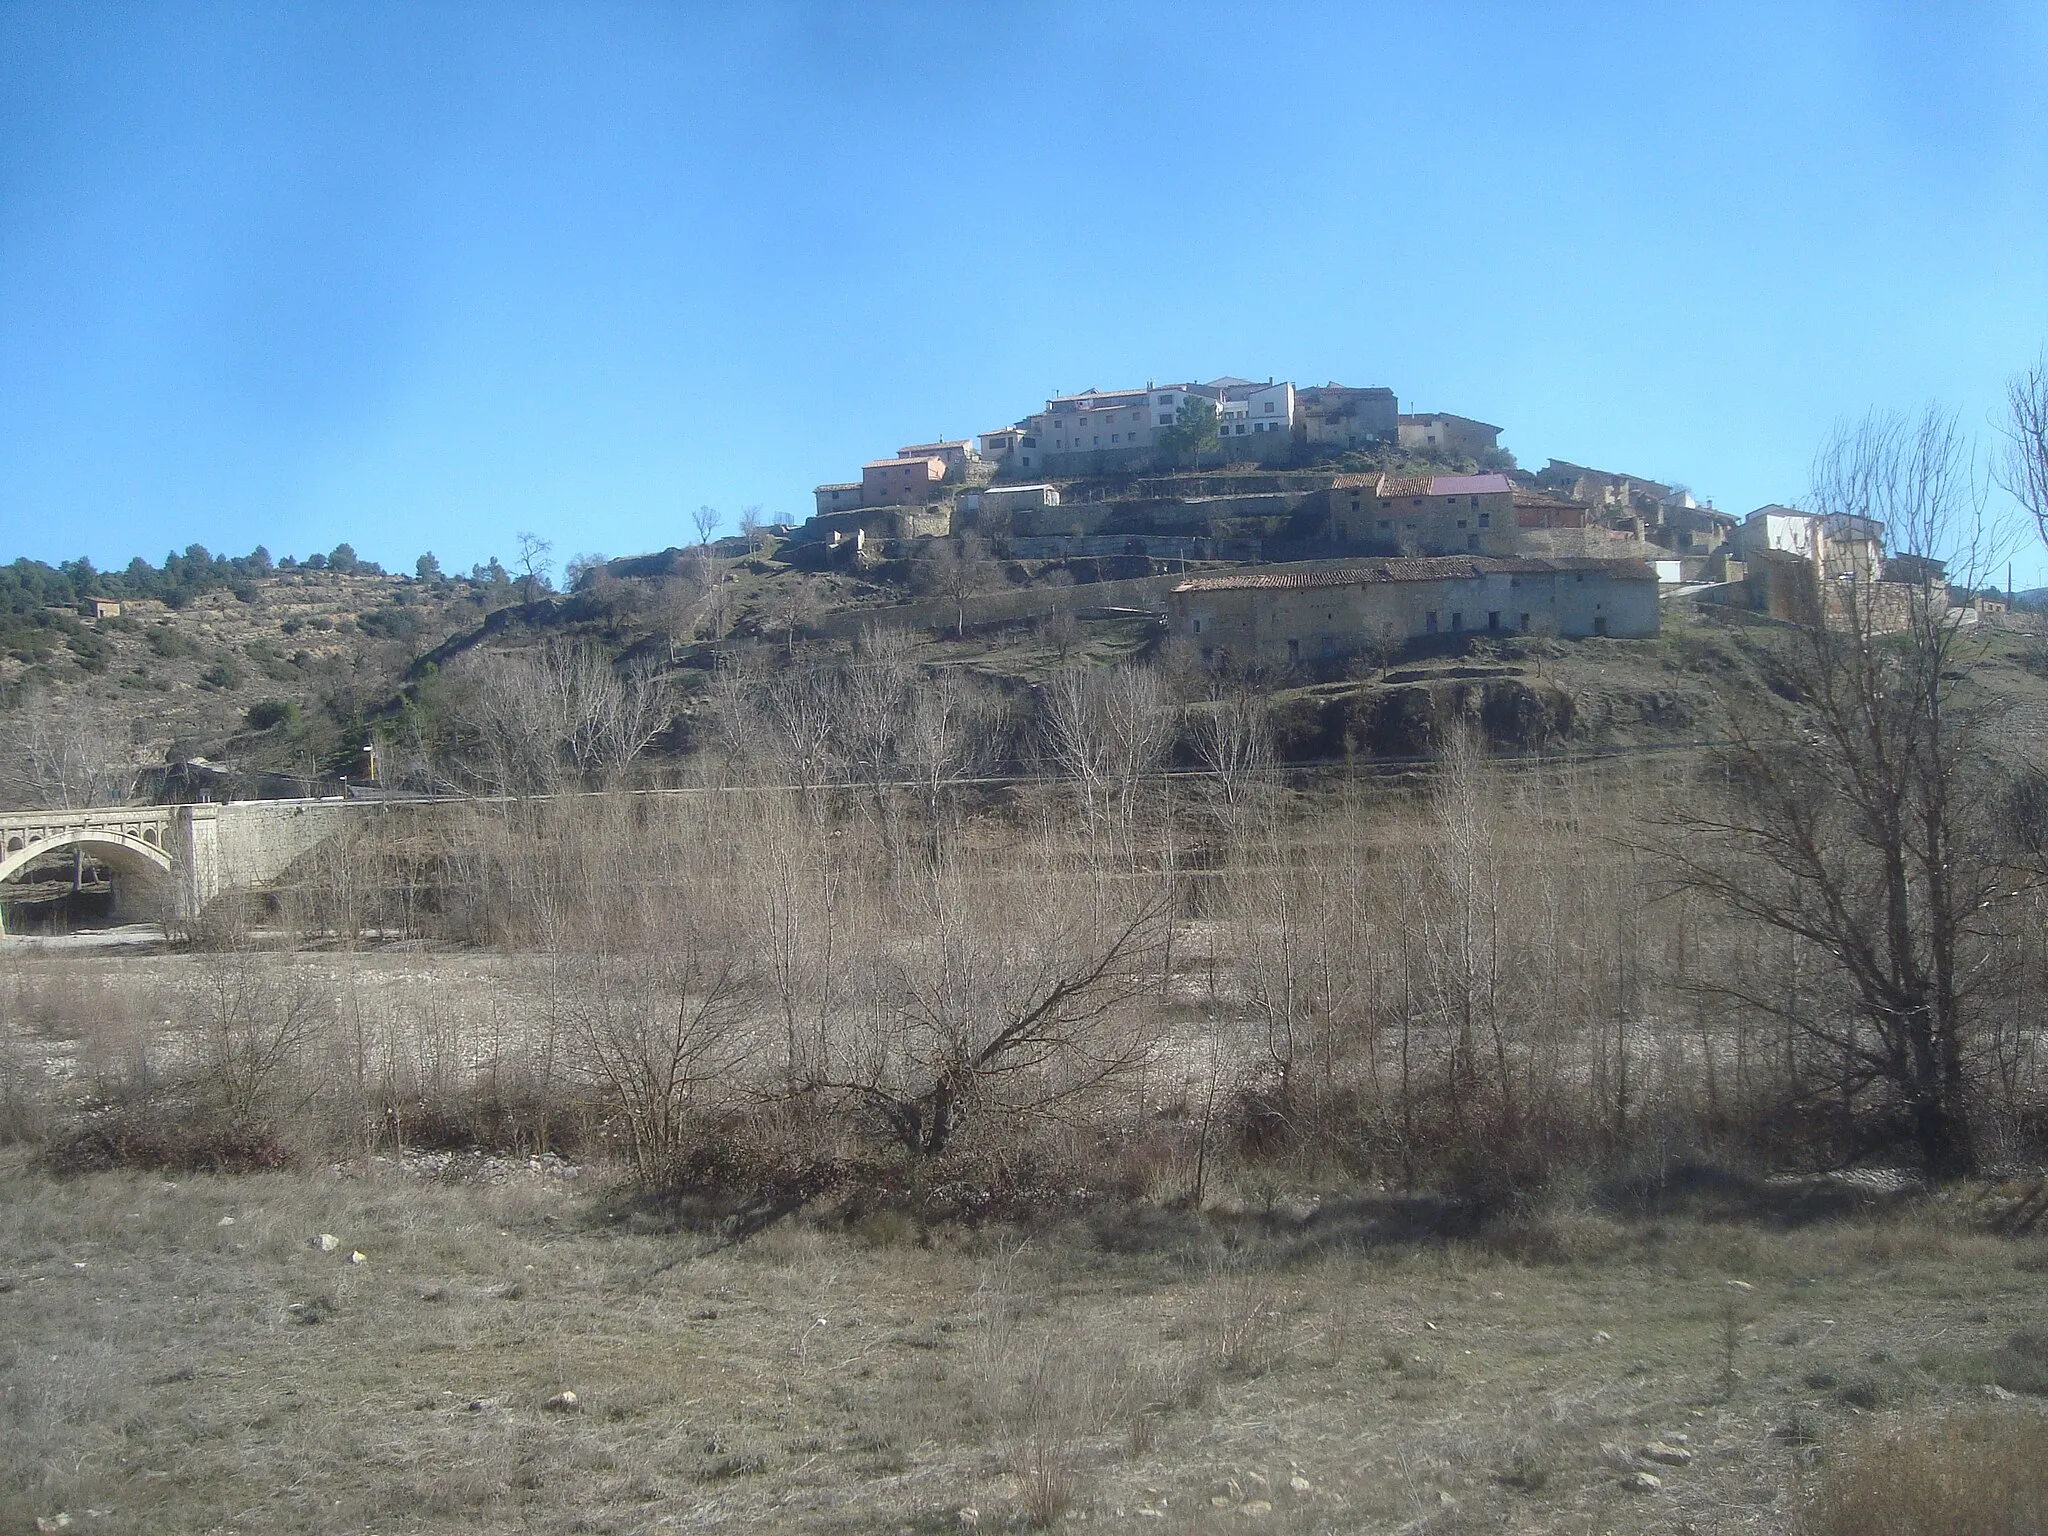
x,y
181,1354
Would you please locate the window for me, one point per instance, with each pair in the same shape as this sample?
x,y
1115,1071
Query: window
x,y
1486,519
1525,623
1116,437
1493,621
1386,524
1429,621
1198,626
1028,442
1457,620
1166,399
1166,421
1270,406
1294,648
1471,541
1600,624
1461,522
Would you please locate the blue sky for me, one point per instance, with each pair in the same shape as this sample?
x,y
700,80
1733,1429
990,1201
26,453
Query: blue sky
x,y
423,276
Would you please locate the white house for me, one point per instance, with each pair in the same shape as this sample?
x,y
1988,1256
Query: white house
x,y
1111,429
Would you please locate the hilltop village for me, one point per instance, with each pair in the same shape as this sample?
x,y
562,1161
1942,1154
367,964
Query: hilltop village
x,y
1314,522
1292,538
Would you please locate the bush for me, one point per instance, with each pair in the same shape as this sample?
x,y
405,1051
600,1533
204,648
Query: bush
x,y
266,713
1983,1474
180,1140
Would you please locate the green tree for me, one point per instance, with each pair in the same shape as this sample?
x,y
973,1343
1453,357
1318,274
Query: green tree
x,y
427,568
1194,431
342,558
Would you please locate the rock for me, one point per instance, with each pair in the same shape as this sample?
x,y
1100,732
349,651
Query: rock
x,y
1259,1507
225,1221
562,1402
57,1522
1603,1338
1642,1482
1740,1285
967,1519
1300,1484
475,1405
1219,1501
1666,1455
327,1242
1998,1393
359,1257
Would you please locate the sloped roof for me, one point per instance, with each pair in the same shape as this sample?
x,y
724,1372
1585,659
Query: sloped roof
x,y
1467,485
1421,568
1442,485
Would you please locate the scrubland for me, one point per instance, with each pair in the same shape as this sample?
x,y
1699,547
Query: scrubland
x,y
871,1143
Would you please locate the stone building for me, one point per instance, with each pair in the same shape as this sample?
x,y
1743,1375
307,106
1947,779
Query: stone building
x,y
901,482
1425,514
1455,434
1330,416
1280,616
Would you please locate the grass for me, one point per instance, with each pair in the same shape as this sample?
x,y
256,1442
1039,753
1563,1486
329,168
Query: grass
x,y
1971,1474
180,1355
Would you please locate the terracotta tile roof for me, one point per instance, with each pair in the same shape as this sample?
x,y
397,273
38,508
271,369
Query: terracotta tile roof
x,y
1392,486
893,463
1429,568
1403,485
837,485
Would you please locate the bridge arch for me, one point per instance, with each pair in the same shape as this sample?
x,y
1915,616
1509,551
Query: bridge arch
x,y
133,857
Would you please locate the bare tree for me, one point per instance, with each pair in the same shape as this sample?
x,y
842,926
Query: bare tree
x,y
753,528
254,1016
1868,834
792,604
1017,1013
533,564
1233,737
956,569
2024,472
64,754
661,1031
1108,730
706,520
538,720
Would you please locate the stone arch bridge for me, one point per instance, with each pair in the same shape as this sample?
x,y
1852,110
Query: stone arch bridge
x,y
171,860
